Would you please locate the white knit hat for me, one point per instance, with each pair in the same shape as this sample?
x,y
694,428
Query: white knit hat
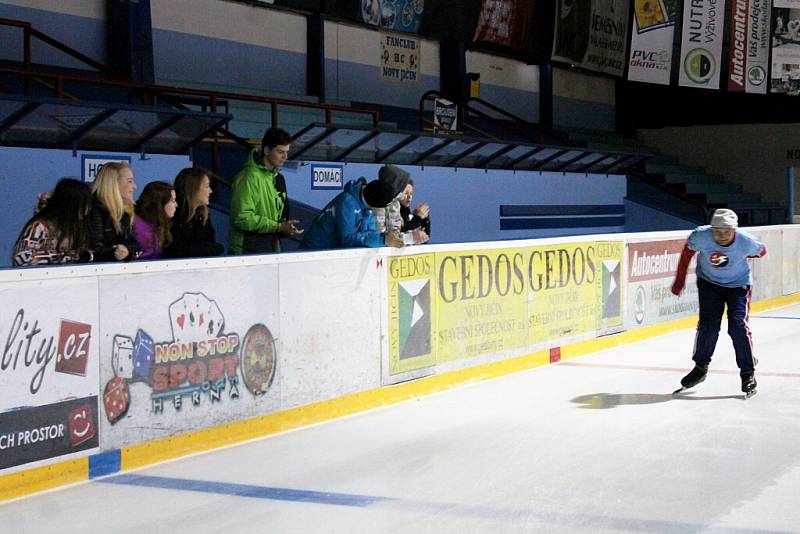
x,y
724,218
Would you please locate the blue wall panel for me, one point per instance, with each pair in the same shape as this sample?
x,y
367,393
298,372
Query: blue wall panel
x,y
582,114
182,58
86,35
354,82
465,203
524,104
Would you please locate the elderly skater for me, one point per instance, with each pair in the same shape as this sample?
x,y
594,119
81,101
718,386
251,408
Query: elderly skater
x,y
724,278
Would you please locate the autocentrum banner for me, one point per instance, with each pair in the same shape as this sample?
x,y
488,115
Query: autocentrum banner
x,y
651,272
749,48
701,43
651,41
592,34
785,76
452,305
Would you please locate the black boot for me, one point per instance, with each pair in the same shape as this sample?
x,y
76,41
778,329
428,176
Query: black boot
x,y
695,376
748,381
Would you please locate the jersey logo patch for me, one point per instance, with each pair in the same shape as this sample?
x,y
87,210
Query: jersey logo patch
x,y
719,259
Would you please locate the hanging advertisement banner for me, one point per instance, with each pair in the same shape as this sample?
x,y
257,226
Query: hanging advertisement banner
x,y
592,34
651,42
399,58
403,15
445,115
785,77
701,43
749,49
504,23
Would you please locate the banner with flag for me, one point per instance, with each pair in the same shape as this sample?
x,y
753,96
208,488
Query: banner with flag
x,y
504,23
650,58
749,47
402,15
701,43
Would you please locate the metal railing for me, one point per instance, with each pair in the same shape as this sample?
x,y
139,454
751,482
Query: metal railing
x,y
507,125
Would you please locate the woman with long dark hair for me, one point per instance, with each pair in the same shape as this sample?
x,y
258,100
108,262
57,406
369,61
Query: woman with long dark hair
x,y
192,232
154,212
59,232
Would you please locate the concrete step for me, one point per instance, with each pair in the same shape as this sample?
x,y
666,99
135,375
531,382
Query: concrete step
x,y
660,168
693,179
728,198
713,188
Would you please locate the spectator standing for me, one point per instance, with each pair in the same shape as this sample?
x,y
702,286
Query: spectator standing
x,y
192,232
112,213
59,231
724,278
349,221
154,213
260,206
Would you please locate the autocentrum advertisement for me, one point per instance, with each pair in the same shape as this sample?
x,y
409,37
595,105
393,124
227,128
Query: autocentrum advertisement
x,y
651,272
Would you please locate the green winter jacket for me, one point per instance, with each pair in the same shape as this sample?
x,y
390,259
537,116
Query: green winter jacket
x,y
258,205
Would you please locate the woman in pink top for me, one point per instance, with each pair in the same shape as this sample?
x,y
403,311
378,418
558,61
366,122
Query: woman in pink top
x,y
154,211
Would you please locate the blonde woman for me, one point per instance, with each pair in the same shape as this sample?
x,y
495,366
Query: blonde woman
x,y
112,214
192,232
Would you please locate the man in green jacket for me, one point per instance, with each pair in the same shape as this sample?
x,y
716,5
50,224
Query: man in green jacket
x,y
260,207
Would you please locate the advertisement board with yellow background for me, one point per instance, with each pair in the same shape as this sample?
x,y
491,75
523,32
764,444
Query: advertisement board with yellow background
x,y
411,311
487,301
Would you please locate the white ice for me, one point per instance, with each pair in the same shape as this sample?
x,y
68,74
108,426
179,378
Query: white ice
x,y
589,445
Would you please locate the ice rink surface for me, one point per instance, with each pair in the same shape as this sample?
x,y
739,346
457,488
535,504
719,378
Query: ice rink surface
x,y
589,445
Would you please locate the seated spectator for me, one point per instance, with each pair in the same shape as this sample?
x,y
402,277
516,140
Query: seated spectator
x,y
348,219
112,214
389,218
154,212
416,227
192,233
58,232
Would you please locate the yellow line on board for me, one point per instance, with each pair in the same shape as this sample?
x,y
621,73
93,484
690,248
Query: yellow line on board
x,y
136,456
43,478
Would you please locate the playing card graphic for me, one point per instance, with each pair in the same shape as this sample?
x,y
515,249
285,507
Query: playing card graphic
x,y
194,317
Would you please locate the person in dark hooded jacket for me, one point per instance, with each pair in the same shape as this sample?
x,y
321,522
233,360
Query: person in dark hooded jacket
x,y
348,220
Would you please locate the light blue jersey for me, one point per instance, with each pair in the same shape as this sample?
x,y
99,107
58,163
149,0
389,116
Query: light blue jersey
x,y
724,266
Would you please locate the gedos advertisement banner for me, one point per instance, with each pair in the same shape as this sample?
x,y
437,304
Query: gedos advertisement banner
x,y
397,15
651,272
651,41
749,48
49,370
468,303
701,43
504,23
188,351
412,309
592,34
399,58
785,77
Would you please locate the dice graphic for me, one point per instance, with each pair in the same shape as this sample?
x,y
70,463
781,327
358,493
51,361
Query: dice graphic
x,y
116,398
142,356
122,356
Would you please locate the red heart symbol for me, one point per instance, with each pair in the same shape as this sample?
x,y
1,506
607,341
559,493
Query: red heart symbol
x,y
181,320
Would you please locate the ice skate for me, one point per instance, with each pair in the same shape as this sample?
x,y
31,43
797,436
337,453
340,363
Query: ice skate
x,y
695,376
748,383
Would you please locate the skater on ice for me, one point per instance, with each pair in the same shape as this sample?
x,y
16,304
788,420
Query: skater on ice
x,y
724,278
